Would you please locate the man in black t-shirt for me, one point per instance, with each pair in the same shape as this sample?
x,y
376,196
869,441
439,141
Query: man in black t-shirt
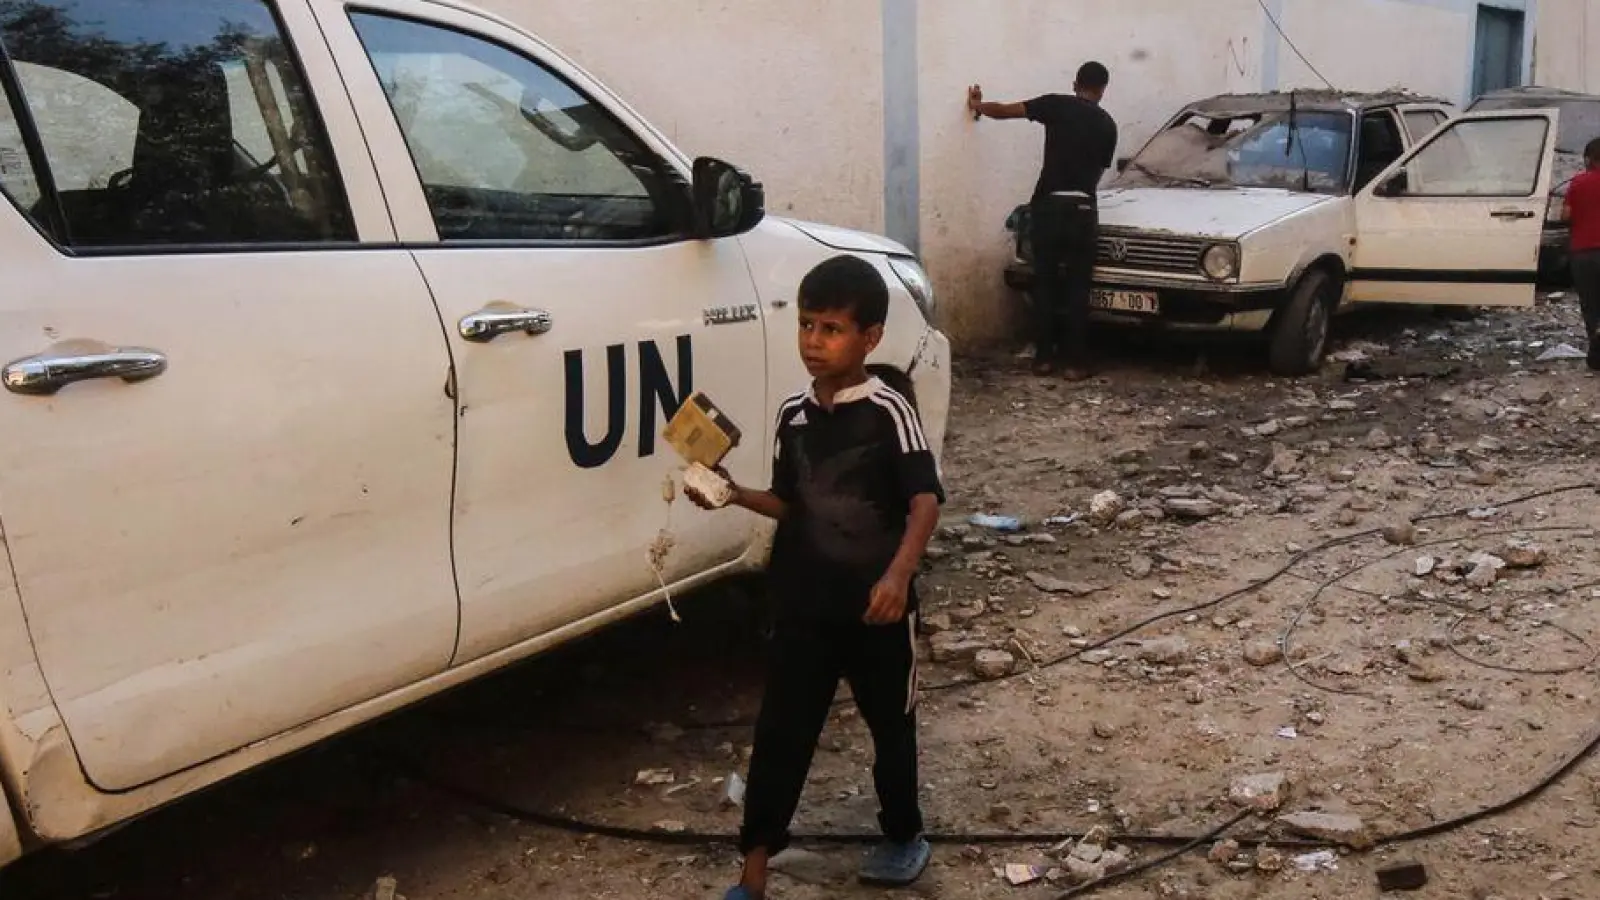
x,y
1080,142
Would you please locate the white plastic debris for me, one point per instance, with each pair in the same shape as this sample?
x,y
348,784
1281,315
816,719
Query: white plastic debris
x,y
1562,351
1288,732
1320,861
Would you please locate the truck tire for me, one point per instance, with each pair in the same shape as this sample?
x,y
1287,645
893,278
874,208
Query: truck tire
x,y
1299,338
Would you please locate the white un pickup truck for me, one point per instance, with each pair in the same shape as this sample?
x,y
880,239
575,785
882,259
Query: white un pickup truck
x,y
337,341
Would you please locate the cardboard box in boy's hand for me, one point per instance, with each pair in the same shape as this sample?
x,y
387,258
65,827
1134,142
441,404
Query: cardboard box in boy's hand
x,y
701,432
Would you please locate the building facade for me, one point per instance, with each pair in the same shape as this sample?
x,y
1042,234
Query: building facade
x,y
852,111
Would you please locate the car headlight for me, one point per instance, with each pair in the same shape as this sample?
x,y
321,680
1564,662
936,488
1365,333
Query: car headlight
x,y
1220,262
915,279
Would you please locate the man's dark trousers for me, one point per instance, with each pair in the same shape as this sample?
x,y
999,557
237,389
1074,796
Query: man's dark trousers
x,y
1586,279
807,660
1065,243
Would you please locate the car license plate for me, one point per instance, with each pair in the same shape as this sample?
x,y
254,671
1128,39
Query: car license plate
x,y
1144,302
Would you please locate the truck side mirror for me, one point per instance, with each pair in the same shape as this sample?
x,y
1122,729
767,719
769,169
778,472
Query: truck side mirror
x,y
727,201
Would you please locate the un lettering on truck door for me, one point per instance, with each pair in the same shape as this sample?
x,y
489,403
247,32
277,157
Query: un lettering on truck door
x,y
658,398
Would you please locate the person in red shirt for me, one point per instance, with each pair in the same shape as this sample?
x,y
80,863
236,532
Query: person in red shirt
x,y
1583,211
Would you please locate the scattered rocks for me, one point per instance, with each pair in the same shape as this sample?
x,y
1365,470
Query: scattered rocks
x,y
1518,554
1167,651
1105,506
1534,394
1191,508
1263,653
1401,534
955,647
1105,731
1484,571
992,665
804,866
1263,793
1378,439
1348,831
1053,585
386,888
1223,852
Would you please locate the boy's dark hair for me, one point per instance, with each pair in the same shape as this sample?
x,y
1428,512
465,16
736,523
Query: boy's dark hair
x,y
847,283
1093,76
1592,150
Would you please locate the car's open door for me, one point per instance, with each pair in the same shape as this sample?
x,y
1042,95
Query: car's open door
x,y
1457,220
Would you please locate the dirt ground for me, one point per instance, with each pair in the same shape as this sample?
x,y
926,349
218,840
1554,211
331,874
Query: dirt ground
x,y
1405,700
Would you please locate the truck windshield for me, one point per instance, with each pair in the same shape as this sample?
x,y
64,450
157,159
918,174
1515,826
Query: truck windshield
x,y
1247,150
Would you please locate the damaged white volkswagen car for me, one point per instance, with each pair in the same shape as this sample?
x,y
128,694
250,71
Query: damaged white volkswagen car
x,y
1273,212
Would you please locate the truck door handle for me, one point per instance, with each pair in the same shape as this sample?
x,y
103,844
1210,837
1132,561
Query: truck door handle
x,y
487,324
1512,214
50,372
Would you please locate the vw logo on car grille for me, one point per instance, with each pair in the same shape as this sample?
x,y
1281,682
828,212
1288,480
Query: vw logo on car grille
x,y
1117,249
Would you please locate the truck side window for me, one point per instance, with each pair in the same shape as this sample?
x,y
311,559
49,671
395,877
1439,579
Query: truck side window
x,y
174,127
507,150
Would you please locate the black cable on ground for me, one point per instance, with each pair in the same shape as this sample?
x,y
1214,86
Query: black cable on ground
x,y
1286,640
1544,784
570,825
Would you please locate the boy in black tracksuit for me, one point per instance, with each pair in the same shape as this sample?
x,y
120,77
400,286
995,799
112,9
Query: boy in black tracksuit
x,y
856,494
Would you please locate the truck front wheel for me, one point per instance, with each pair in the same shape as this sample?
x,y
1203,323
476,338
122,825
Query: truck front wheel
x,y
1299,337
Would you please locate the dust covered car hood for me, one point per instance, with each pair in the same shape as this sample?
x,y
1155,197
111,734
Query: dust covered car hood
x,y
1200,212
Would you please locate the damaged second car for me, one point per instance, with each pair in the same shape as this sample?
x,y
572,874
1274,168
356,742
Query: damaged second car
x,y
1272,213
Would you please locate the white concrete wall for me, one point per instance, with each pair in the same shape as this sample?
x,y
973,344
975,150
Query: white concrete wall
x,y
1567,50
1376,45
793,92
799,93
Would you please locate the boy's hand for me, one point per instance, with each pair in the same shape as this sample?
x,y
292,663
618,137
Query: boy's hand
x,y
699,499
889,598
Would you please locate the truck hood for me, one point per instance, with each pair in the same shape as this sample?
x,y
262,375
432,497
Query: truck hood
x,y
1228,213
848,240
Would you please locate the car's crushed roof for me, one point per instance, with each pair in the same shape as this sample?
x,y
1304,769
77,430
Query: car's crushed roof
x,y
1281,101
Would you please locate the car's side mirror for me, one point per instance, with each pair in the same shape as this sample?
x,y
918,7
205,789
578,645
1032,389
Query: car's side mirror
x,y
1394,185
1122,164
727,201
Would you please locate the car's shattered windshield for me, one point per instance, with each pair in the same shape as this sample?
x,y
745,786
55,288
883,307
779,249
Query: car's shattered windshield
x,y
1247,150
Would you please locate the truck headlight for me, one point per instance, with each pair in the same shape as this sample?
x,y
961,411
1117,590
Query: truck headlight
x,y
915,279
1220,262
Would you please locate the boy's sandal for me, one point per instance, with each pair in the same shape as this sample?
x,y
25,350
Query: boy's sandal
x,y
739,892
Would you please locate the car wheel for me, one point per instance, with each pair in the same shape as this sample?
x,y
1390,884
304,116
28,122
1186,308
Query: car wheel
x,y
1299,338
